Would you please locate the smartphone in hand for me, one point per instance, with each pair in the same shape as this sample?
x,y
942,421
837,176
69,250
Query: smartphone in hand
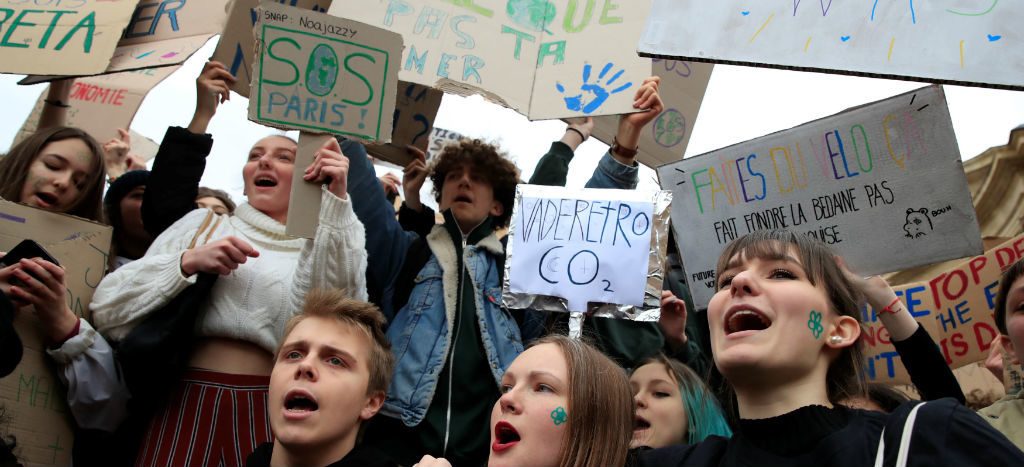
x,y
27,249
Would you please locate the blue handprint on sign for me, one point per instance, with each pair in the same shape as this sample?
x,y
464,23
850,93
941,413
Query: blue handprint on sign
x,y
593,95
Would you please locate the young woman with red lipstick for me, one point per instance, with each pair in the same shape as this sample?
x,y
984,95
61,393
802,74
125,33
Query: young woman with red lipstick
x,y
785,330
563,404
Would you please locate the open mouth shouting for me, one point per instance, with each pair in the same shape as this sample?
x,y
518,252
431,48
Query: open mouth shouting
x,y
640,426
46,200
299,404
462,199
745,320
505,437
265,181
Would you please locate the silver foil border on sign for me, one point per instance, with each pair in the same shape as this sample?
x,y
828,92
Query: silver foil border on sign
x,y
648,312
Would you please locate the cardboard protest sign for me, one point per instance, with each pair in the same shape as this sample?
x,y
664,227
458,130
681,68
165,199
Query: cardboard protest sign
x,y
946,41
323,74
33,396
161,33
415,110
545,59
585,248
70,37
882,184
439,138
102,104
236,45
167,32
143,146
304,201
682,91
955,307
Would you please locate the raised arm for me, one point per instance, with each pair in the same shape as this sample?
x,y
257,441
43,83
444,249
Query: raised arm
x,y
174,182
336,257
413,215
618,168
553,167
386,241
920,355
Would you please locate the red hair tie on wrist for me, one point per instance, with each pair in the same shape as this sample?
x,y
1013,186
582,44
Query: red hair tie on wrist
x,y
889,309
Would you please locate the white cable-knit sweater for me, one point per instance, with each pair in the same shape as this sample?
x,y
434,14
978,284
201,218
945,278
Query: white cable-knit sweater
x,y
254,302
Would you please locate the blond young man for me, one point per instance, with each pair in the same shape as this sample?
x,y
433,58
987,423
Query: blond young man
x,y
330,376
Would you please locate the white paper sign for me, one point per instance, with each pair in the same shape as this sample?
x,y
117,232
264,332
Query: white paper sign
x,y
581,245
975,42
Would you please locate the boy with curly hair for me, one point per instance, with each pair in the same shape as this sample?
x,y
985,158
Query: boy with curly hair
x,y
441,289
452,338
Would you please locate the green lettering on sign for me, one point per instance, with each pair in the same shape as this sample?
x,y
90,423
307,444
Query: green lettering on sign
x,y
608,8
369,88
570,13
472,6
556,49
295,69
89,23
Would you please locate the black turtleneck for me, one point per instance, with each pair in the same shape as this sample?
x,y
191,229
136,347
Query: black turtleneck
x,y
795,432
945,433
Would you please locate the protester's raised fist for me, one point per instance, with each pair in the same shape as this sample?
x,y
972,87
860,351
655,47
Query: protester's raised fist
x,y
646,97
584,125
330,166
213,87
413,177
390,183
115,154
220,257
673,318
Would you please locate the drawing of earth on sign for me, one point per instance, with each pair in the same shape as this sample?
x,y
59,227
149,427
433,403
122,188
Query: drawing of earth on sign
x,y
669,128
322,70
534,15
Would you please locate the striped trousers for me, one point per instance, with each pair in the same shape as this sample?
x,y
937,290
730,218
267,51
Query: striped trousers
x,y
211,419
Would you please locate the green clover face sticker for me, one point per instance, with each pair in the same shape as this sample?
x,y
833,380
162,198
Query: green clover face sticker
x,y
559,416
814,324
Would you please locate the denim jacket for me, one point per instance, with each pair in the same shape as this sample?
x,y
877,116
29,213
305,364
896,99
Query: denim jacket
x,y
421,333
419,362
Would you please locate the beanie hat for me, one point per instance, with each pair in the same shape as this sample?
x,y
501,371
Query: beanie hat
x,y
122,186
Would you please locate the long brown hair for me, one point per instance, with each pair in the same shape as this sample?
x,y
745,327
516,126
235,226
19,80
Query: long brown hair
x,y
14,167
600,406
845,378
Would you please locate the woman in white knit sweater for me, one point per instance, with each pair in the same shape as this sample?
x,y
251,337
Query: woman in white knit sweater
x,y
218,414
265,276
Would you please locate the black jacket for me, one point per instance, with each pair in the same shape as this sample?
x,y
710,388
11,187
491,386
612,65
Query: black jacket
x,y
944,434
360,456
10,344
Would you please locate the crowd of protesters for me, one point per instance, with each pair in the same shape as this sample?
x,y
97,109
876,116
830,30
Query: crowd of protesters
x,y
217,339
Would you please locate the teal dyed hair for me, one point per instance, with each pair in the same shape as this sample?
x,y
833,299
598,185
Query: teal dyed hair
x,y
704,417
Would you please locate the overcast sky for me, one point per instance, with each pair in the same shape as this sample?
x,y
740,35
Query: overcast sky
x,y
741,103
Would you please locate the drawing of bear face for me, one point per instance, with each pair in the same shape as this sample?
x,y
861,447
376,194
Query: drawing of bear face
x,y
918,223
